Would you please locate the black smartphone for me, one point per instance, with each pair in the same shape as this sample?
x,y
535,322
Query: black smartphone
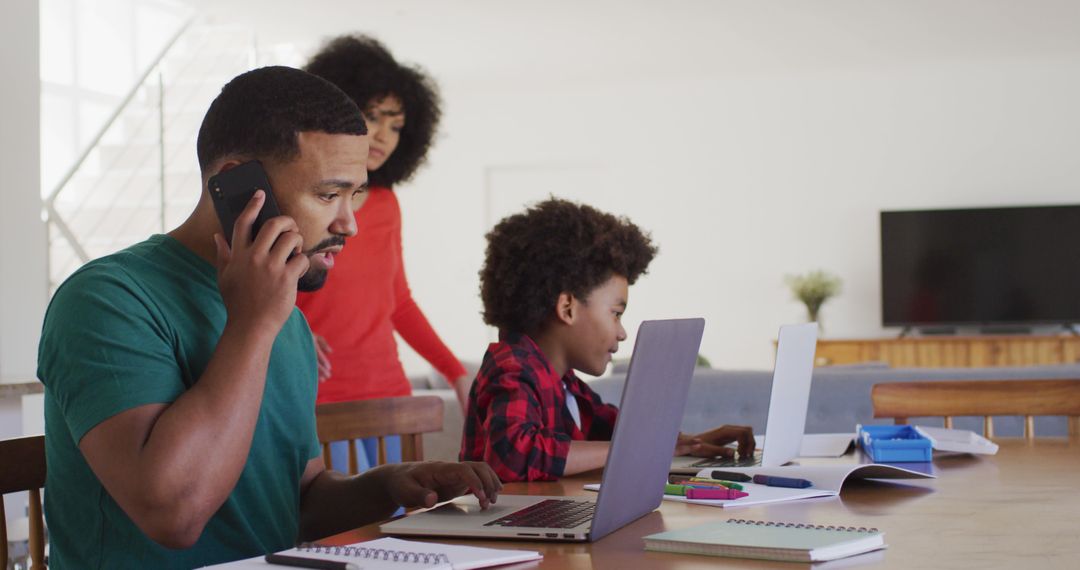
x,y
231,191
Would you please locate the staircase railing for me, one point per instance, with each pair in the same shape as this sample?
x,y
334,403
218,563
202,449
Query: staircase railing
x,y
52,216
129,180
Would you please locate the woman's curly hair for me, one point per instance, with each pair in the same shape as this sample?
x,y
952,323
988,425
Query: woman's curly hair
x,y
553,247
365,69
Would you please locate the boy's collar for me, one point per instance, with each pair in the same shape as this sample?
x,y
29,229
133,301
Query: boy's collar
x,y
525,341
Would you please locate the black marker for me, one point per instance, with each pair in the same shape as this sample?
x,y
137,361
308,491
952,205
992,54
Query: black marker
x,y
300,562
731,476
772,481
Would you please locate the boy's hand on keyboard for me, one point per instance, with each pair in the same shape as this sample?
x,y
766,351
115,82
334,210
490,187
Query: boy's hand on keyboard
x,y
694,446
713,443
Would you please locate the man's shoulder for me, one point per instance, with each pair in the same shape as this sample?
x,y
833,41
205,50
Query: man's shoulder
x,y
102,276
106,322
128,260
134,269
137,284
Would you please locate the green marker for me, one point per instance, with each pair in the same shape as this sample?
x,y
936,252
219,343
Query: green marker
x,y
670,489
729,485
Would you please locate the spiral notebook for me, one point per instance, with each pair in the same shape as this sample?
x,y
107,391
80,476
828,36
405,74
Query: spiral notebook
x,y
765,540
396,554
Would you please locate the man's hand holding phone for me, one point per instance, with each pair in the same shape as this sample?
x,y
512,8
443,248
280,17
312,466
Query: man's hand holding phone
x,y
257,278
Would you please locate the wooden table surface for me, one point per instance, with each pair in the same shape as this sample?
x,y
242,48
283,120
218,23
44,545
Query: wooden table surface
x,y
1017,509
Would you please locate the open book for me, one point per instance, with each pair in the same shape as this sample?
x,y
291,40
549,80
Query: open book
x,y
396,554
826,481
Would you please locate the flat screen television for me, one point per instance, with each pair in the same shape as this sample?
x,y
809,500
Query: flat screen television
x,y
979,267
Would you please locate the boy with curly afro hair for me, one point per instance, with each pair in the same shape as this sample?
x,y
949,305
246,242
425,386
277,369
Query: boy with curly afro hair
x,y
555,282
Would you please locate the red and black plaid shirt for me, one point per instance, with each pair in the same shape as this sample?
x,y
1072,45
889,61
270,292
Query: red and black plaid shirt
x,y
517,419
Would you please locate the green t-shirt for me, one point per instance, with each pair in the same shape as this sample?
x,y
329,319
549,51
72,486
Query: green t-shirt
x,y
136,328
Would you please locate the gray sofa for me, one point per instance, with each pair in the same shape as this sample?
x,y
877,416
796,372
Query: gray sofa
x,y
839,396
839,399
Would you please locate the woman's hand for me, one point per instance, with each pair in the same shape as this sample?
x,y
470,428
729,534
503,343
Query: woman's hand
x,y
462,385
322,355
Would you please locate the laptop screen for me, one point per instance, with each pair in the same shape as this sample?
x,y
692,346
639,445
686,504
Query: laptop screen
x,y
790,396
651,410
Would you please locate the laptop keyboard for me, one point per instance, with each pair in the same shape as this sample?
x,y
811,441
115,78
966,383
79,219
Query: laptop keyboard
x,y
549,513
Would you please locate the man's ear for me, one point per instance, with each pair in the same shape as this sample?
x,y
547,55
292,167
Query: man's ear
x,y
566,308
229,165
215,169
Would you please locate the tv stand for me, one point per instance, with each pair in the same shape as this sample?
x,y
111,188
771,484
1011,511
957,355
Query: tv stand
x,y
916,331
934,351
927,331
1005,330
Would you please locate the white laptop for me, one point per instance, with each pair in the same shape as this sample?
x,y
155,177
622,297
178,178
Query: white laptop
x,y
647,426
788,402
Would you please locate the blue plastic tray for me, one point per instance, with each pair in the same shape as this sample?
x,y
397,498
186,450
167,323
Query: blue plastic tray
x,y
895,444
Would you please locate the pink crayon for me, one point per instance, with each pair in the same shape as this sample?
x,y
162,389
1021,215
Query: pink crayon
x,y
698,493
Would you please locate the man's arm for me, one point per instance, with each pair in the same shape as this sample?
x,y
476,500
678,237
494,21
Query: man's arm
x,y
375,494
171,466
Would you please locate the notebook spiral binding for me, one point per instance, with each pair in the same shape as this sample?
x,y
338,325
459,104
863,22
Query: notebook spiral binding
x,y
802,525
376,553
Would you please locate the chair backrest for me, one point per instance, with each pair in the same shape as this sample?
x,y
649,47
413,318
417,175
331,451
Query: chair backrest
x,y
23,461
987,398
408,416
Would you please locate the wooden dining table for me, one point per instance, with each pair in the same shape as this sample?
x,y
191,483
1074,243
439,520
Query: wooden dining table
x,y
1019,508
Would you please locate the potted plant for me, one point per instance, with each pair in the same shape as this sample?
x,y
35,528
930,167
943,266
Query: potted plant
x,y
813,289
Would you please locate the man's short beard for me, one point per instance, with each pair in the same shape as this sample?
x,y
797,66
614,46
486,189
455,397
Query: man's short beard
x,y
313,280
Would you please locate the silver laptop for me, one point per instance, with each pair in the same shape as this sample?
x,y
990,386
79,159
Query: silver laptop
x,y
647,426
788,402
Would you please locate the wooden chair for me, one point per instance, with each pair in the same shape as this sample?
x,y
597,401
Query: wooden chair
x,y
408,416
23,461
987,398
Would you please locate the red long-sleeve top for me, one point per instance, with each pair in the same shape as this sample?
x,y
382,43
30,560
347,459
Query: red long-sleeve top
x,y
365,299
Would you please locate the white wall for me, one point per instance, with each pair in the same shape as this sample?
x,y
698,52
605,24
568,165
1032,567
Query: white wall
x,y
23,281
23,277
754,140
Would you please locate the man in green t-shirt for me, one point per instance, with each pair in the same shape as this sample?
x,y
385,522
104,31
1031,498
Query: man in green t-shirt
x,y
180,379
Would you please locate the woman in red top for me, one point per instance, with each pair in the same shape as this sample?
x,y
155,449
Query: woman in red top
x,y
357,353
